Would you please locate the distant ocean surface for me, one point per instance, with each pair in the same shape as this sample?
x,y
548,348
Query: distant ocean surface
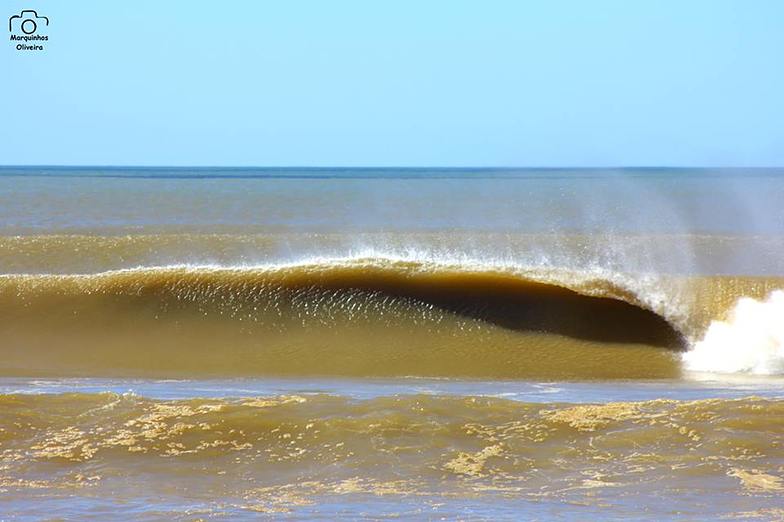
x,y
412,343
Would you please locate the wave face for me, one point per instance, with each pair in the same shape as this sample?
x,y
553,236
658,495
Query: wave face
x,y
308,454
358,317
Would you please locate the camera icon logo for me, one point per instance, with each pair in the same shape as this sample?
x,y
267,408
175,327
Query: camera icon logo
x,y
27,21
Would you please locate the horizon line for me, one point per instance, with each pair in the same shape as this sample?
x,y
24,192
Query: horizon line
x,y
385,167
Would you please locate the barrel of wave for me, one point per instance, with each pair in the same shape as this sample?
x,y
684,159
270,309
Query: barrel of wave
x,y
751,340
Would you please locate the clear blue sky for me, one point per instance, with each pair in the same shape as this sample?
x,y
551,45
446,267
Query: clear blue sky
x,y
451,83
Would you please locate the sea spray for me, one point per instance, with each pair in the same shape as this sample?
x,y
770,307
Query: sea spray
x,y
751,340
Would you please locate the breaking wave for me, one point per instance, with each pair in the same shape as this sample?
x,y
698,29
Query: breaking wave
x,y
357,316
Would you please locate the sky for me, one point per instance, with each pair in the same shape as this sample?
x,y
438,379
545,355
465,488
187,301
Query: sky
x,y
397,83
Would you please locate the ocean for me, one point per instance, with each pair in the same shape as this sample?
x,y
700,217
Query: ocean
x,y
334,343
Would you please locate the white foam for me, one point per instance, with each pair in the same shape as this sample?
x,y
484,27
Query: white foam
x,y
750,341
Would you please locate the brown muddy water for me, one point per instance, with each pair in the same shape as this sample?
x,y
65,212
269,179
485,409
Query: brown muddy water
x,y
420,344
